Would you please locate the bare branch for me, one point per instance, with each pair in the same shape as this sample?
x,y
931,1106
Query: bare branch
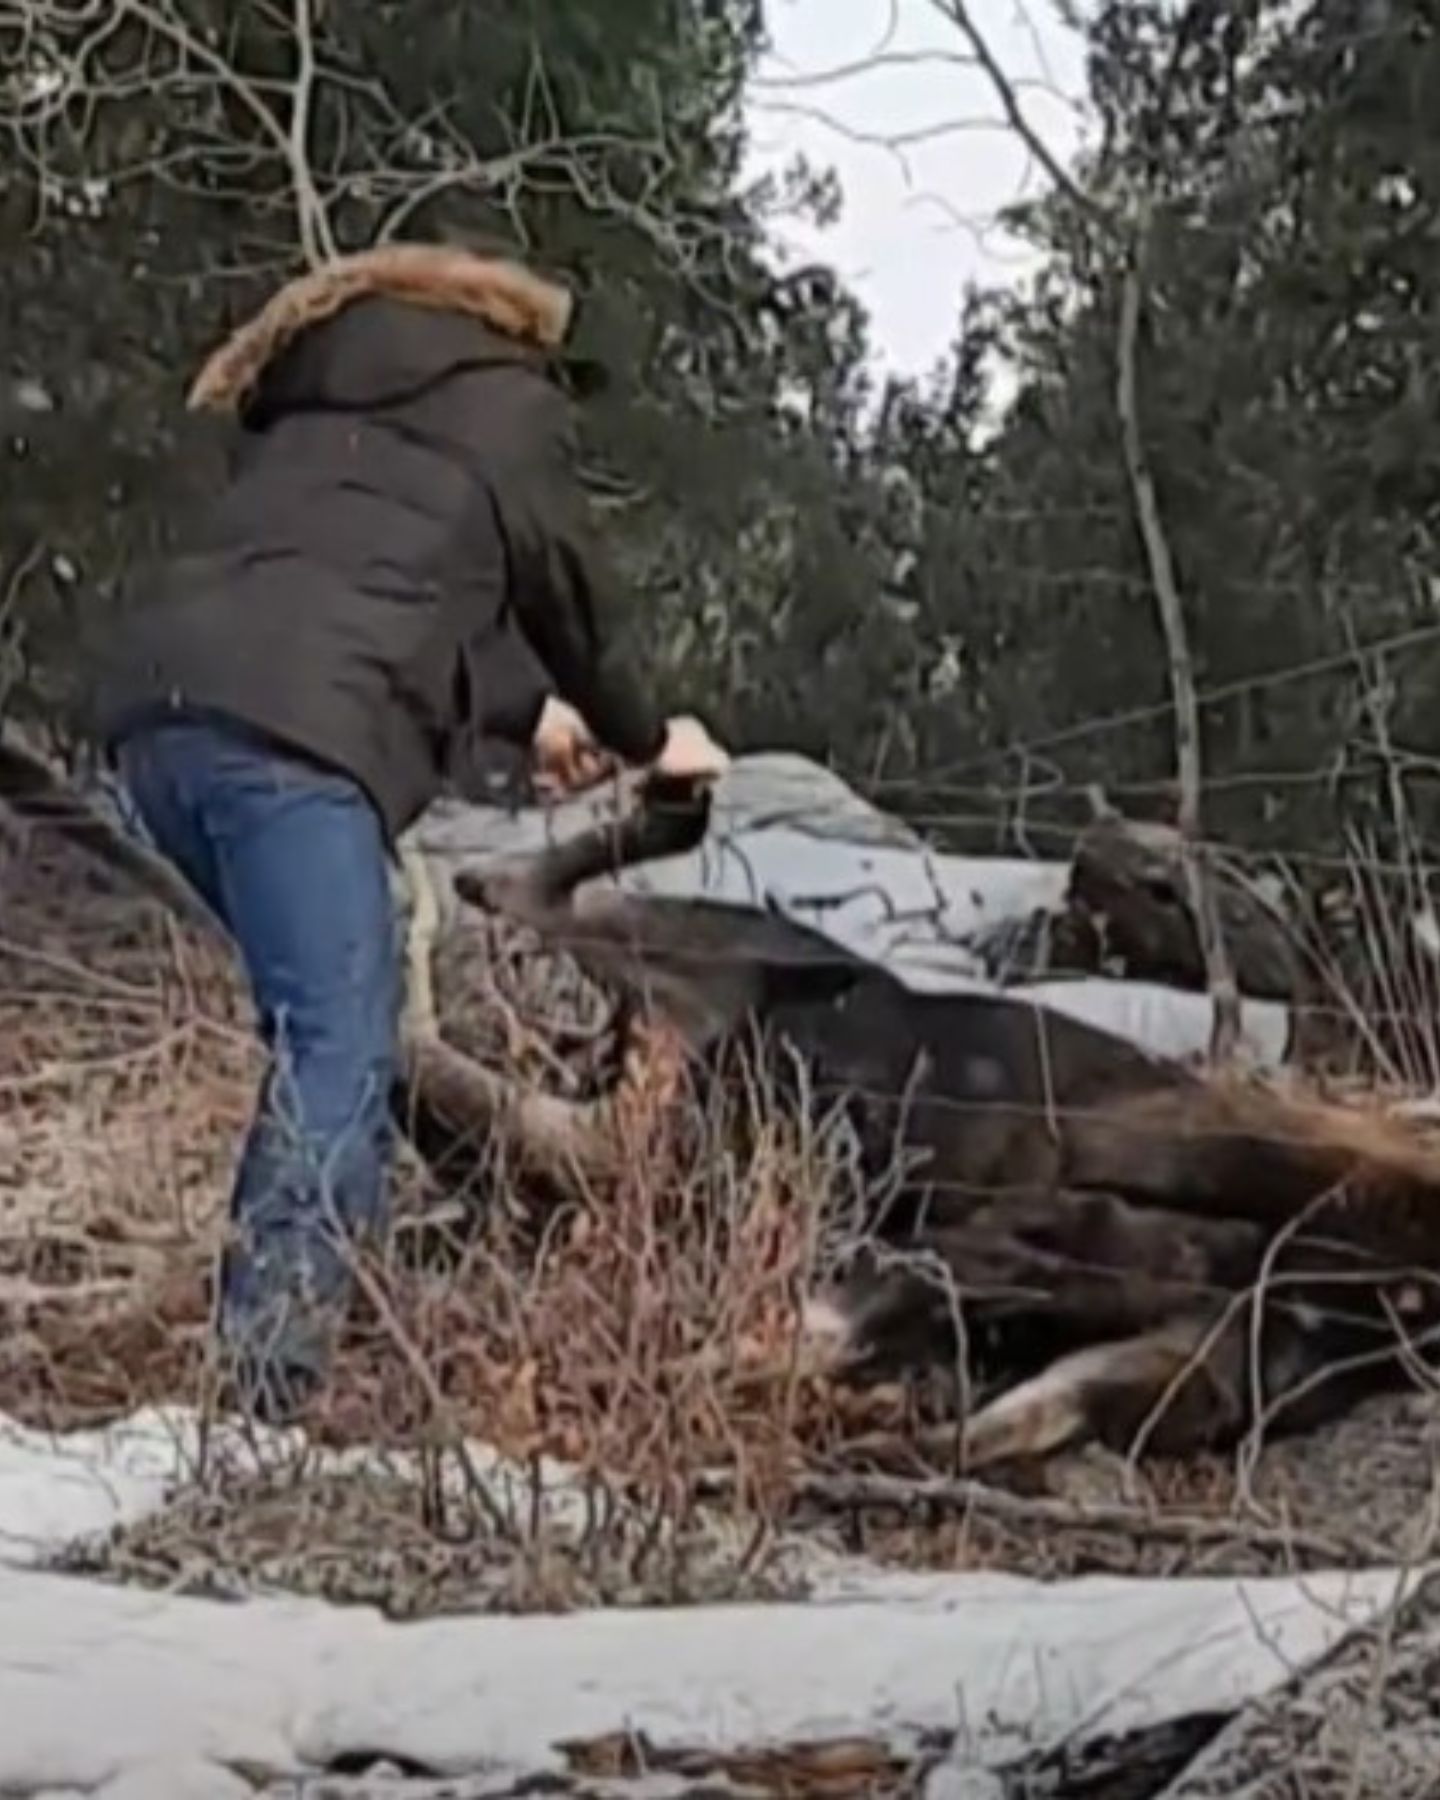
x,y
861,65
1220,974
316,238
1007,92
291,141
1134,236
77,60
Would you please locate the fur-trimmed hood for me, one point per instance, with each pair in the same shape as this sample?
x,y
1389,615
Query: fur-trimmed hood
x,y
505,296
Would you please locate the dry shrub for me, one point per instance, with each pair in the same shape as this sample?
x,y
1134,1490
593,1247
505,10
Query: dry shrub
x,y
646,1335
126,1071
1371,935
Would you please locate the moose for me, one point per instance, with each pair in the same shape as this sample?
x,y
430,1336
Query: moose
x,y
1127,1241
1123,1240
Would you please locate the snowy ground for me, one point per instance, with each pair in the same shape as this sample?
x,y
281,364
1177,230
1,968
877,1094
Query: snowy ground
x,y
111,1690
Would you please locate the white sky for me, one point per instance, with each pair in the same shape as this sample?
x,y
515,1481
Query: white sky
x,y
918,218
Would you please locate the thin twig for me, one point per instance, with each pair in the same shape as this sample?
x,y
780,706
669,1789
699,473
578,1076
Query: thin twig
x,y
316,239
1008,94
851,1493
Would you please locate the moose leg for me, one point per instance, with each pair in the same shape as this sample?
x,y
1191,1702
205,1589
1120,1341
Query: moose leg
x,y
1035,1277
1179,1376
561,1139
1198,1381
566,1141
1108,1393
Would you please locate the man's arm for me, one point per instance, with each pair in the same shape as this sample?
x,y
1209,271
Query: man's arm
x,y
489,756
565,590
516,688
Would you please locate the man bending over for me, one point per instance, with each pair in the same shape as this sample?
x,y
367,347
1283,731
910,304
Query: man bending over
x,y
334,640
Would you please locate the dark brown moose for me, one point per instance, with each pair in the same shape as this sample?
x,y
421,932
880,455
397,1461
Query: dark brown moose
x,y
1127,1241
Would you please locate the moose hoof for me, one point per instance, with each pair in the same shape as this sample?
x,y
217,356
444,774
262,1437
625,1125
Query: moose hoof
x,y
827,1335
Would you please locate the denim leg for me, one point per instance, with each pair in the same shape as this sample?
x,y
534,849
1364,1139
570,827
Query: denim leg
x,y
293,859
164,773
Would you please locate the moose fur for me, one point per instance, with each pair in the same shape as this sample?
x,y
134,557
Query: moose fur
x,y
1122,1239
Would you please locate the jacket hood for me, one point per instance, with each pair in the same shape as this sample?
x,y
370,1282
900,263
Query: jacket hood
x,y
444,293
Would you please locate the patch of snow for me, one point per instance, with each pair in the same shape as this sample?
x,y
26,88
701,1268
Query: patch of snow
x,y
286,1685
1163,1020
952,1781
61,1488
170,1689
33,396
55,1489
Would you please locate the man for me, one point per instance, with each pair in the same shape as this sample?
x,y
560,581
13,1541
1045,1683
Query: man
x,y
403,533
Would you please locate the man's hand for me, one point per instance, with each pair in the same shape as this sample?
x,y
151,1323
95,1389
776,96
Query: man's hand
x,y
690,753
567,759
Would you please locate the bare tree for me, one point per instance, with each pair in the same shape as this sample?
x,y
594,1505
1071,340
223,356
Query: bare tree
x,y
1126,222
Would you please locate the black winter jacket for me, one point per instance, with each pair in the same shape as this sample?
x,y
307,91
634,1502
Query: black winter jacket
x,y
401,557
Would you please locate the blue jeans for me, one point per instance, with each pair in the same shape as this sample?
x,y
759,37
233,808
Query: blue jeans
x,y
292,860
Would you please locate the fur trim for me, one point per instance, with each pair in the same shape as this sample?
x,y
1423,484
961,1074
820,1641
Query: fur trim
x,y
504,295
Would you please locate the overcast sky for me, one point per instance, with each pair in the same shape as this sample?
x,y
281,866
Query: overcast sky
x,y
918,219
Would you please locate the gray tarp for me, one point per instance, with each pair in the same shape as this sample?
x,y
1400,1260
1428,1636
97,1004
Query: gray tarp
x,y
788,834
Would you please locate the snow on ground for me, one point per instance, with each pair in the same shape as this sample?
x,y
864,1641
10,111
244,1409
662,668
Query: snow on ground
x,y
108,1689
55,1489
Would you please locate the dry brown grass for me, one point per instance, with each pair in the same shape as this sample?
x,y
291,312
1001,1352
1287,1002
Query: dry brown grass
x,y
644,1335
125,1071
645,1339
622,1339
